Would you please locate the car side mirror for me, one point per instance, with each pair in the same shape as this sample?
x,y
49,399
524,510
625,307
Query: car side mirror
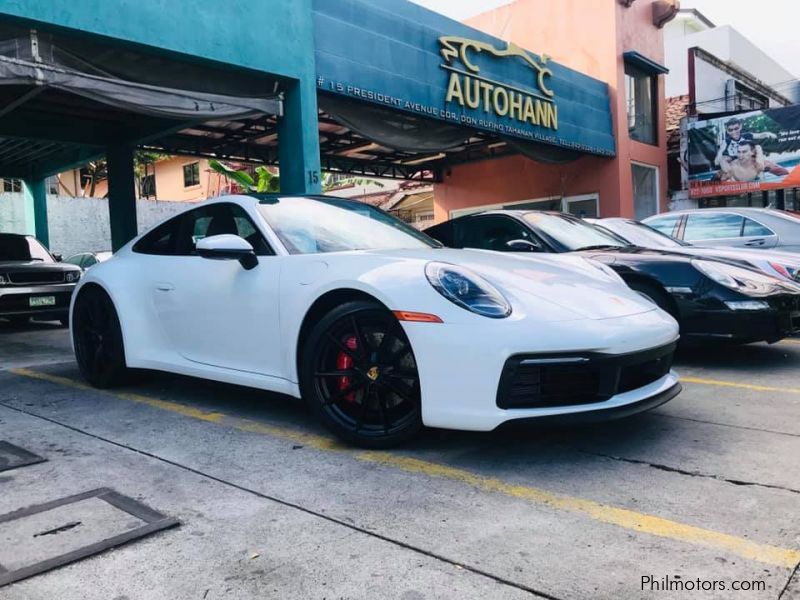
x,y
523,246
228,247
58,257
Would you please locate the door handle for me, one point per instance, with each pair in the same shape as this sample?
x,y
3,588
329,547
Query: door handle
x,y
164,287
755,243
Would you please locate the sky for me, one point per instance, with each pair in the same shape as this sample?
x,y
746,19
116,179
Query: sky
x,y
769,24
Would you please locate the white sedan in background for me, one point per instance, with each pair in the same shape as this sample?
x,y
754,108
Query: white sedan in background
x,y
374,324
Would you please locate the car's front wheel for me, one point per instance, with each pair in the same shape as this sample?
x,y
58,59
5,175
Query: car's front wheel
x,y
97,338
358,373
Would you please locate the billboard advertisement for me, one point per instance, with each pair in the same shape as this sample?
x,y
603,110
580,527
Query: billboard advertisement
x,y
747,152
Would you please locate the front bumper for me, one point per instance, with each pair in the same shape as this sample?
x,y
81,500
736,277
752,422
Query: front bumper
x,y
781,320
609,412
461,365
15,300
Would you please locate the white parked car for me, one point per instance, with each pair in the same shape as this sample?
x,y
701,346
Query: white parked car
x,y
374,324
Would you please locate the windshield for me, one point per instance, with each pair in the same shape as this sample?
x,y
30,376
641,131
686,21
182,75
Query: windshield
x,y
315,225
640,234
571,233
22,248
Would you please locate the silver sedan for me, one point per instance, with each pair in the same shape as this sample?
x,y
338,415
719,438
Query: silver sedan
x,y
759,228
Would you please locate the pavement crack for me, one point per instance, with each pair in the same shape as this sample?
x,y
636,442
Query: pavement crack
x,y
355,528
795,573
679,471
706,422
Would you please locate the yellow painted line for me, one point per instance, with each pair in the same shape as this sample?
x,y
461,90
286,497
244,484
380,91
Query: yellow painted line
x,y
743,386
621,517
182,409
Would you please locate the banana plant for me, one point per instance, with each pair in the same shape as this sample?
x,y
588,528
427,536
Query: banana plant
x,y
264,181
269,182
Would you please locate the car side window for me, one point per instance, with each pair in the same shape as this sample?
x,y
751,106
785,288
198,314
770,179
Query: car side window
x,y
492,232
218,219
665,224
712,226
442,232
161,240
754,228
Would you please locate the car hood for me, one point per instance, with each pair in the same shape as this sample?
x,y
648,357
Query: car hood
x,y
15,266
564,286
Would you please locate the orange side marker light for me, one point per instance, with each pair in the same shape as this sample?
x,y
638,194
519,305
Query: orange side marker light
x,y
418,317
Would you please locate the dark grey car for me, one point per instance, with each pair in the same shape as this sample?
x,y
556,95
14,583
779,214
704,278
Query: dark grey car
x,y
739,227
33,284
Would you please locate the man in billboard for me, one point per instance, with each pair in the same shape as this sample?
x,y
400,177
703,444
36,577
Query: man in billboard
x,y
734,134
748,165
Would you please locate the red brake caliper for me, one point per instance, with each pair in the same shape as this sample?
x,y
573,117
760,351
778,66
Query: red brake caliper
x,y
344,362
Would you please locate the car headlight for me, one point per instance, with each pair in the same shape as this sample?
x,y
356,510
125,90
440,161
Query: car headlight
x,y
611,273
467,289
745,281
72,276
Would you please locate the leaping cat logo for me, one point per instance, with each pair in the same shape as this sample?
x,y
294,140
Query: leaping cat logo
x,y
457,47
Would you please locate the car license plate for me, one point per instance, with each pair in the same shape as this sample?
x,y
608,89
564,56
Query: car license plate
x,y
42,301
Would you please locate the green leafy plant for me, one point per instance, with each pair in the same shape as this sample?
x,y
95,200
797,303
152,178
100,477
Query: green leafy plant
x,y
263,182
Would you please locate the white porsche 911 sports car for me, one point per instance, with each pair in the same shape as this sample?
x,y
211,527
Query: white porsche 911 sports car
x,y
379,328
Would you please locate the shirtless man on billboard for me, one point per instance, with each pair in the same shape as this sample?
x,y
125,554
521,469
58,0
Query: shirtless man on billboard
x,y
748,165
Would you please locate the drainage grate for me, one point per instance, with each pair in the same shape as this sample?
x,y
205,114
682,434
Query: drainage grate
x,y
50,535
12,457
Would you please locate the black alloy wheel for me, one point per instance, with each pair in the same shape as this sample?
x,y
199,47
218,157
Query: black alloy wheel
x,y
359,375
97,338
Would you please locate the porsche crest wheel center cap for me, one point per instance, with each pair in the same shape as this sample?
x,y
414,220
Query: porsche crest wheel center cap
x,y
373,373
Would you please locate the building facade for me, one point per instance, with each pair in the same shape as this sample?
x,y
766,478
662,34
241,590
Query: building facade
x,y
717,73
540,103
619,43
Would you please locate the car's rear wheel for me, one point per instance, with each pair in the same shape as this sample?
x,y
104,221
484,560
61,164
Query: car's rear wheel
x,y
97,337
358,373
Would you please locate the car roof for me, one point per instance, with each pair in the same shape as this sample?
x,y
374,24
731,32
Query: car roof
x,y
516,213
733,209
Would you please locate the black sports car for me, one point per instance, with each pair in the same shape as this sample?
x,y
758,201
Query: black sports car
x,y
32,282
711,299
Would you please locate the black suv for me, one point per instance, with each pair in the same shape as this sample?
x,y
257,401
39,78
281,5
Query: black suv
x,y
33,283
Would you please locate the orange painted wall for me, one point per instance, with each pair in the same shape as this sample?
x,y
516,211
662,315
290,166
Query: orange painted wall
x,y
588,36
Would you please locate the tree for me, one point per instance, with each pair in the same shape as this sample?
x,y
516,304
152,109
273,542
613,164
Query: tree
x,y
97,170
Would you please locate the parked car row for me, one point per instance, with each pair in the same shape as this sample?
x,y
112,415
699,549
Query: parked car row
x,y
482,320
713,298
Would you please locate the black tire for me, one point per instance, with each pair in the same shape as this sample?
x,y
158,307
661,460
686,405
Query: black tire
x,y
655,294
374,400
97,338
